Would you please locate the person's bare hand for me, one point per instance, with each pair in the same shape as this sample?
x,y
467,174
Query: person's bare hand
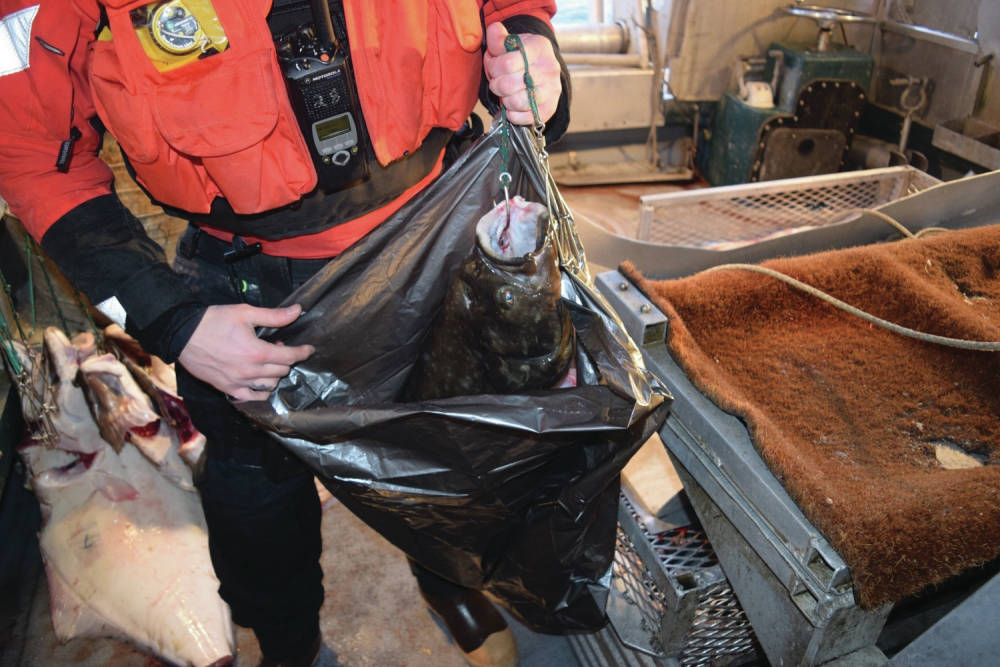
x,y
225,352
505,72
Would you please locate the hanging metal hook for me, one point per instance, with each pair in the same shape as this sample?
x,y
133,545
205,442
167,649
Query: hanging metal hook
x,y
505,181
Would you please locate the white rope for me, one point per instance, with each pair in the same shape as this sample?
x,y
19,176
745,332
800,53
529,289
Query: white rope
x,y
989,346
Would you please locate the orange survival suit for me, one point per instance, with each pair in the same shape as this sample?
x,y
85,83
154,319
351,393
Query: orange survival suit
x,y
215,141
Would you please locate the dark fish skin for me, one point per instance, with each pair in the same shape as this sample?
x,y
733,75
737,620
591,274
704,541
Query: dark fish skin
x,y
116,407
105,403
502,329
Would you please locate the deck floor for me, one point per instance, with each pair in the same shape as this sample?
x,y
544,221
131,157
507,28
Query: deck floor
x,y
615,207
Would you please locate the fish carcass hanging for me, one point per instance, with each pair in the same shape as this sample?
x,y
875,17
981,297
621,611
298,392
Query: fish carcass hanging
x,y
125,548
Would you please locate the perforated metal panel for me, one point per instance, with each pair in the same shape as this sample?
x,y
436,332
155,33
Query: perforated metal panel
x,y
720,628
682,560
738,215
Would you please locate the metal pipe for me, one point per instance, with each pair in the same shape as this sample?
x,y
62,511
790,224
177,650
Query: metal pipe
x,y
597,10
904,133
933,36
872,153
603,38
823,43
604,59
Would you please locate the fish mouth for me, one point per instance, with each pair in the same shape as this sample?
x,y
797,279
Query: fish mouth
x,y
503,245
513,230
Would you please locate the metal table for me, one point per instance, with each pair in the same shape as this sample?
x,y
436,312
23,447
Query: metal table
x,y
794,587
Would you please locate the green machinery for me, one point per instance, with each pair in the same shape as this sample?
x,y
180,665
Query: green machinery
x,y
798,120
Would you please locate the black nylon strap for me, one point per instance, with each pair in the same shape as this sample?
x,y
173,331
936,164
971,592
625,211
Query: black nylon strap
x,y
322,210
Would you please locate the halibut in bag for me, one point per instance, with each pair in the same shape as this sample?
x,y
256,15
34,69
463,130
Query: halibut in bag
x,y
514,493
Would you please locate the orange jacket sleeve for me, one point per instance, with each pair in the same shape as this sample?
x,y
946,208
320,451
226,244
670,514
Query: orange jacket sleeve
x,y
43,96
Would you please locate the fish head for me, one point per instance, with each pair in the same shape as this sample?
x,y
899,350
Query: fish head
x,y
512,281
510,238
502,327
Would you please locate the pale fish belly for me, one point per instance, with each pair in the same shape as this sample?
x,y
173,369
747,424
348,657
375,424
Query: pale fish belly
x,y
126,554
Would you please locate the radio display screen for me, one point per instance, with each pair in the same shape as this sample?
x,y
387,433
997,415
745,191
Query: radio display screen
x,y
326,129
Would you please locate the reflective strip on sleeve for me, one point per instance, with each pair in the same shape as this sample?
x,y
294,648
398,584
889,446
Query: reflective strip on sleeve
x,y
113,310
15,40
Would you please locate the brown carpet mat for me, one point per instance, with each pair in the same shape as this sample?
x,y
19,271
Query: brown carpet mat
x,y
853,419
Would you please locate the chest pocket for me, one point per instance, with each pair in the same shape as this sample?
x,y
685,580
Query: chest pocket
x,y
216,125
425,57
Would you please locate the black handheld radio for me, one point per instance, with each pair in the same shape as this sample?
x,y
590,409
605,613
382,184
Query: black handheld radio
x,y
321,88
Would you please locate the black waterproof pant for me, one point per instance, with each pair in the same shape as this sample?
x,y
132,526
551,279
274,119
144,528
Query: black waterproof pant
x,y
260,502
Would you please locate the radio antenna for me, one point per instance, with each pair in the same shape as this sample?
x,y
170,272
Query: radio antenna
x,y
323,22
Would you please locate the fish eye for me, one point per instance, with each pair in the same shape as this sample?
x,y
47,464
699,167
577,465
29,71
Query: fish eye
x,y
505,297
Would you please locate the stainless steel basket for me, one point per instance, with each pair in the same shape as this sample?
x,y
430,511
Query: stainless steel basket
x,y
670,602
682,232
737,215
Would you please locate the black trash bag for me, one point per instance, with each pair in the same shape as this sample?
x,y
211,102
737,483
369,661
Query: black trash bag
x,y
513,494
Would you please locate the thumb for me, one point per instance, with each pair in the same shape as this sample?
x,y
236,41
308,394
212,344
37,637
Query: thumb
x,y
274,317
495,34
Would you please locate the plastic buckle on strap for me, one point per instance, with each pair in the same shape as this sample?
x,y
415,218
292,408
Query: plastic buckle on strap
x,y
236,254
